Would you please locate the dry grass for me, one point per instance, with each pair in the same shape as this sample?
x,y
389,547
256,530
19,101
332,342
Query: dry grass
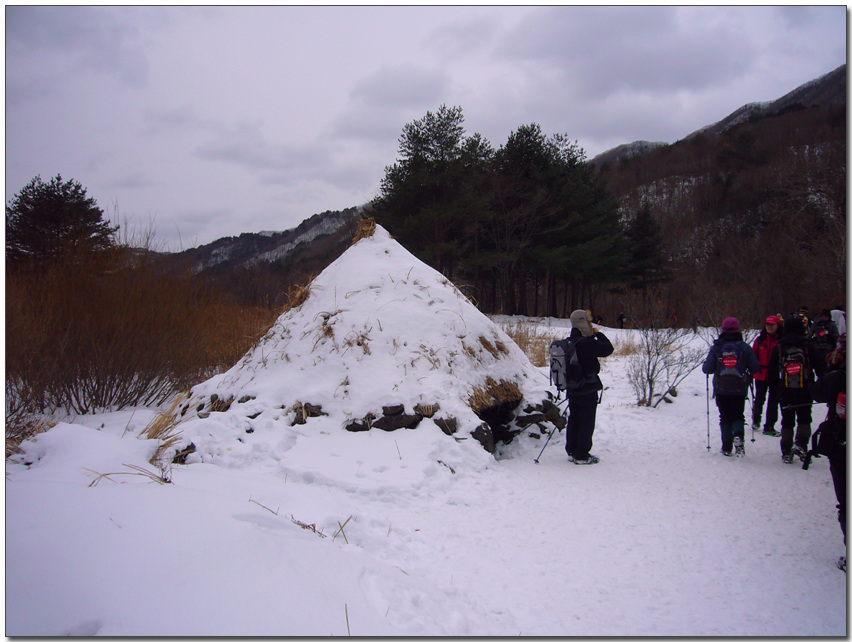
x,y
163,427
22,429
492,394
297,295
625,347
366,229
496,349
533,344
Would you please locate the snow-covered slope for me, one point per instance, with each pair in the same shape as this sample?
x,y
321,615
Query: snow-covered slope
x,y
410,533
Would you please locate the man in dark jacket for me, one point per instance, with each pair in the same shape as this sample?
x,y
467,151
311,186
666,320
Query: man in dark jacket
x,y
823,334
583,402
732,363
793,366
831,390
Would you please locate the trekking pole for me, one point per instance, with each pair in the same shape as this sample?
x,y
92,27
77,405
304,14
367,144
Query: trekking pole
x,y
545,444
751,389
550,436
707,391
801,405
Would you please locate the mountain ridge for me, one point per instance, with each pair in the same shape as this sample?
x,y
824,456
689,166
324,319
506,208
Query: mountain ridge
x,y
828,89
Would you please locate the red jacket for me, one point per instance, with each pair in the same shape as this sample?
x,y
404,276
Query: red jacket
x,y
763,347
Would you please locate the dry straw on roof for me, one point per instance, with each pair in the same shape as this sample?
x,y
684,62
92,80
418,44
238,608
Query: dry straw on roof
x,y
366,229
493,394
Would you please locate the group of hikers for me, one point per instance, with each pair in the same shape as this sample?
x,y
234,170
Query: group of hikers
x,y
793,363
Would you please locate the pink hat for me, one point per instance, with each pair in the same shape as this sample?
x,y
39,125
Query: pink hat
x,y
773,319
730,325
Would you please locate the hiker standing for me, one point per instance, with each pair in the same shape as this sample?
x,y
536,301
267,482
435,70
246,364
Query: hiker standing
x,y
590,344
621,320
764,346
792,369
831,389
823,334
732,363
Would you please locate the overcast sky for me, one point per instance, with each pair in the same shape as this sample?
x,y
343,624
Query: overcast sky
x,y
213,121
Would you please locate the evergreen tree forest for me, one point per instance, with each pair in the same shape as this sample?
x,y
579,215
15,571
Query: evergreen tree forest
x,y
523,229
747,222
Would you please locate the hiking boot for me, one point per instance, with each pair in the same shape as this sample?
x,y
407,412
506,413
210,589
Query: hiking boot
x,y
739,447
787,458
799,452
584,462
841,563
727,453
771,432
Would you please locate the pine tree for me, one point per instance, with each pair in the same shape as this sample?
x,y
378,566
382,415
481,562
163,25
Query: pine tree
x,y
47,220
647,265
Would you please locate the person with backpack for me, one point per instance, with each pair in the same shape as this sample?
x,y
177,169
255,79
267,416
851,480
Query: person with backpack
x,y
583,383
792,368
732,363
764,346
823,334
830,438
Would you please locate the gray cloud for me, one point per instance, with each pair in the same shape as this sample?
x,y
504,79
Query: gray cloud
x,y
230,119
245,145
98,39
408,86
599,51
463,37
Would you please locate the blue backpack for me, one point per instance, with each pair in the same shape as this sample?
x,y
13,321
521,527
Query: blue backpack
x,y
730,376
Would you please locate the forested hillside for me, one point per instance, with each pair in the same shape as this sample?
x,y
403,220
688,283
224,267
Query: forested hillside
x,y
753,212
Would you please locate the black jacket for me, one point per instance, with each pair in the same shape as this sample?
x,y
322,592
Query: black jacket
x,y
827,390
589,349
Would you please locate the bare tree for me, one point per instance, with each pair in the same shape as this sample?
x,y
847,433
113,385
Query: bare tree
x,y
663,360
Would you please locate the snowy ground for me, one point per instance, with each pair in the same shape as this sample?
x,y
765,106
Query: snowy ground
x,y
439,538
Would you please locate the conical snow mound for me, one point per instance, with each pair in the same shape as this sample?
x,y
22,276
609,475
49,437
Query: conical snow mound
x,y
382,341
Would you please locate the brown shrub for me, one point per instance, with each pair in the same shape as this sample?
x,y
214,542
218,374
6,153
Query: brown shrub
x,y
114,330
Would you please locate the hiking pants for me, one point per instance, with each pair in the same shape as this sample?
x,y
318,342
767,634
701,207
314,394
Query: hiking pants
x,y
800,418
581,424
731,419
838,476
761,389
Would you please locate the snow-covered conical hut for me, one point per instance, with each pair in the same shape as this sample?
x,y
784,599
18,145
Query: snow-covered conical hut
x,y
380,341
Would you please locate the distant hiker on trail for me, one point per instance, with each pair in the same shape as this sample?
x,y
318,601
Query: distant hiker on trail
x,y
732,363
792,369
621,320
823,334
694,322
765,344
831,389
590,344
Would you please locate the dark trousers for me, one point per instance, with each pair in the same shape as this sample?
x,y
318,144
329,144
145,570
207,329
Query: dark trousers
x,y
581,424
800,419
762,390
731,418
838,476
